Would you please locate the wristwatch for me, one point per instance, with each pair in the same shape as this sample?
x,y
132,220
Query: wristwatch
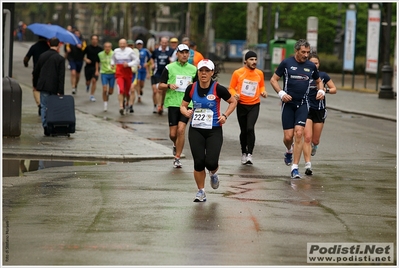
x,y
327,90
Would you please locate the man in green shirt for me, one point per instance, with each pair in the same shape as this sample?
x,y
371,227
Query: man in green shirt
x,y
107,73
174,79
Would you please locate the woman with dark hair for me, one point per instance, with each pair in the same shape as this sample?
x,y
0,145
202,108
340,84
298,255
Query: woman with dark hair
x,y
316,116
205,132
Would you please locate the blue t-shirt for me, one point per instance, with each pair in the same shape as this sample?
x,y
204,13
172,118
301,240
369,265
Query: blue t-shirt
x,y
145,55
161,59
313,103
297,78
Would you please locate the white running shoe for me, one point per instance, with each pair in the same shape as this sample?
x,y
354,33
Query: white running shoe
x,y
214,180
105,106
244,159
249,159
314,149
200,196
177,163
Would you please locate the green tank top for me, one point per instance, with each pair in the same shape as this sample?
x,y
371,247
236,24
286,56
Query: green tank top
x,y
105,62
181,75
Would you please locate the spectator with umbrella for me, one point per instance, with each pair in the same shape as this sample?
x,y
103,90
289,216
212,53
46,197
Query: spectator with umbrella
x,y
35,51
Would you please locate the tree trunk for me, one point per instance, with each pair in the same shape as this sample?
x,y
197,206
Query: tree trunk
x,y
252,23
193,8
61,19
208,27
50,12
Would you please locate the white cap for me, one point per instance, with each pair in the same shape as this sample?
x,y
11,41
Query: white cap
x,y
182,47
139,41
206,63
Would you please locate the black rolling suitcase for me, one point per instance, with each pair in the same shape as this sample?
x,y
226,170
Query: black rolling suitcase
x,y
60,115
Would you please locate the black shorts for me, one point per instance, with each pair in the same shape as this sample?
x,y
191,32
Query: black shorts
x,y
155,80
317,116
294,115
174,116
90,73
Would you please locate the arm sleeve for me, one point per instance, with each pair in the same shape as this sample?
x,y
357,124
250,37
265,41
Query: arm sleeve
x,y
29,54
112,62
135,61
97,57
326,78
233,83
262,82
164,76
36,72
280,69
187,96
315,74
222,92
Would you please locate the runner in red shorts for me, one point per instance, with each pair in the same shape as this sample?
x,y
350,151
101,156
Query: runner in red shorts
x,y
124,59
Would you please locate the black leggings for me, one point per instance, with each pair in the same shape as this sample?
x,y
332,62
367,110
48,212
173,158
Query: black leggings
x,y
247,116
205,145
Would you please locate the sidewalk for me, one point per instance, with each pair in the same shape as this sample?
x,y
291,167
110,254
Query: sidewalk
x,y
97,140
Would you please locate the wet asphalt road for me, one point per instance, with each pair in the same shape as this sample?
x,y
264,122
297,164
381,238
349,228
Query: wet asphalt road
x,y
141,213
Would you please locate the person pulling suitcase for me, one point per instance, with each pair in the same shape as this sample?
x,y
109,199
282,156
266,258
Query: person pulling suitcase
x,y
49,77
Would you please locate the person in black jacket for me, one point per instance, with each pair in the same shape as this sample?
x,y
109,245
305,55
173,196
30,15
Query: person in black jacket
x,y
49,77
35,51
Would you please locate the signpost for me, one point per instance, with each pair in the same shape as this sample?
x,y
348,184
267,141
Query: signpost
x,y
373,41
350,43
312,32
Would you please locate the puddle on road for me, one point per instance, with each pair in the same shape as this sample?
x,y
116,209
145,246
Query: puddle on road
x,y
17,167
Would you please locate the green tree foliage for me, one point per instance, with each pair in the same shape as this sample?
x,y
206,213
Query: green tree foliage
x,y
229,20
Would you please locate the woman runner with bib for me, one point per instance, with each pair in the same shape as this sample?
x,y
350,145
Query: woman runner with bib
x,y
205,132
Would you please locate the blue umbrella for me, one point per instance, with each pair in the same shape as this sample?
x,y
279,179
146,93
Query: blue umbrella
x,y
49,31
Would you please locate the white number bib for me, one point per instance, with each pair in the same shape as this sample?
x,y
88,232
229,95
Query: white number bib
x,y
202,118
249,88
182,82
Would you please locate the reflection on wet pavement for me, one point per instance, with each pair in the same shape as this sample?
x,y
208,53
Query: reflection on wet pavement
x,y
17,167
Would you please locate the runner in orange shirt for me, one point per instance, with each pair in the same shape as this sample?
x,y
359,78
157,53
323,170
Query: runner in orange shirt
x,y
197,55
247,85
